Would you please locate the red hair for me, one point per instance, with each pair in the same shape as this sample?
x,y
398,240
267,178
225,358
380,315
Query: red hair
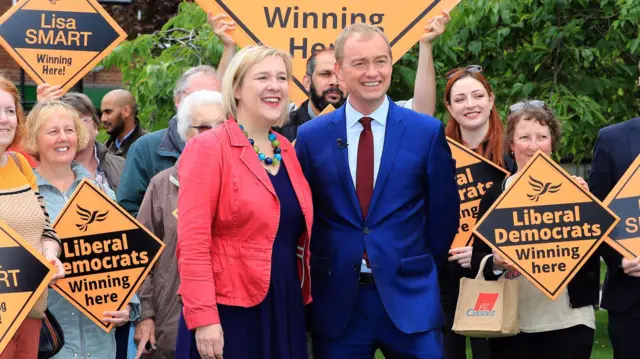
x,y
10,88
493,151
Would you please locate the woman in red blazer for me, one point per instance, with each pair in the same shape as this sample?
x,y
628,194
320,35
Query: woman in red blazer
x,y
245,215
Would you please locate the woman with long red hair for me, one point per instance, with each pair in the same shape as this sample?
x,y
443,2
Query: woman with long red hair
x,y
475,123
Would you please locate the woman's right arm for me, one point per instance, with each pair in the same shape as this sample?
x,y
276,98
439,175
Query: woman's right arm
x,y
199,175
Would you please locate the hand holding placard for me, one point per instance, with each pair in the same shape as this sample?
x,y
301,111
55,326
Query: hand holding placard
x,y
546,224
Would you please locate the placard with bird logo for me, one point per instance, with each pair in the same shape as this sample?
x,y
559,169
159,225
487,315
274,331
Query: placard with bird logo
x,y
106,253
546,224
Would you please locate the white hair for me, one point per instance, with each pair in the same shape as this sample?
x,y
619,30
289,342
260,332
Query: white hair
x,y
191,102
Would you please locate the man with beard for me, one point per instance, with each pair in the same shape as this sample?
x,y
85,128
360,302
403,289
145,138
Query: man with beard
x,y
119,119
324,89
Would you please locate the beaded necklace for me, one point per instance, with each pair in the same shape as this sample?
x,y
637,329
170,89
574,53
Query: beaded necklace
x,y
277,156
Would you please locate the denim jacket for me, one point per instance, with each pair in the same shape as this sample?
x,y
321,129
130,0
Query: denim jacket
x,y
83,339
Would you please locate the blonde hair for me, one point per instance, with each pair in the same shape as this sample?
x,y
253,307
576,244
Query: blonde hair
x,y
237,70
360,28
40,114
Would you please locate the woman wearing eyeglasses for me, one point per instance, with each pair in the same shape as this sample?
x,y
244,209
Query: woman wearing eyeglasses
x,y
160,305
561,328
475,123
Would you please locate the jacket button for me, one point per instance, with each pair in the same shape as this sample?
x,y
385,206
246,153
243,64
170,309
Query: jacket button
x,y
366,230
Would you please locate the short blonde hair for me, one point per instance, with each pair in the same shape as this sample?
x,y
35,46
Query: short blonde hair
x,y
362,29
40,114
237,70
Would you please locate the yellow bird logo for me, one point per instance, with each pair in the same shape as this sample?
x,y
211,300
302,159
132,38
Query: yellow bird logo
x,y
541,188
89,217
53,2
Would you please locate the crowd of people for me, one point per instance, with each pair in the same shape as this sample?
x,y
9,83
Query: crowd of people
x,y
291,235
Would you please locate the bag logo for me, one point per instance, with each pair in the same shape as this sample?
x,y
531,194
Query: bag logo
x,y
484,305
89,217
541,188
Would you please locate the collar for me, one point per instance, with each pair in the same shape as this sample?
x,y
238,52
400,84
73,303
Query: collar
x,y
78,170
312,115
379,115
119,143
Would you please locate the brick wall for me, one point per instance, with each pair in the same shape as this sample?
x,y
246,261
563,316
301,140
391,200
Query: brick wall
x,y
104,78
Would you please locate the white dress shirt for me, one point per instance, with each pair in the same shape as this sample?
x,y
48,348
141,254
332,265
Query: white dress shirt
x,y
354,128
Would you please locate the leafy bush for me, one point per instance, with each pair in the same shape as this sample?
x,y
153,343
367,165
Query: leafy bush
x,y
580,56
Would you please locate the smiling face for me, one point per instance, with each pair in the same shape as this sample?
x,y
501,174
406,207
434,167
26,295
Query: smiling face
x,y
262,94
529,136
8,120
470,104
365,70
57,140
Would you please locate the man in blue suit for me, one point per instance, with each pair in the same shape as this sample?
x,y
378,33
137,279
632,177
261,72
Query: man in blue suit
x,y
386,211
616,148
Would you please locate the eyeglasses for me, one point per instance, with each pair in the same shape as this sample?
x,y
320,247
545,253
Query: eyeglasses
x,y
524,104
469,69
201,128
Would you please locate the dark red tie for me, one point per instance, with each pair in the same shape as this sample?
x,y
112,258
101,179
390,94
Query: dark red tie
x,y
364,170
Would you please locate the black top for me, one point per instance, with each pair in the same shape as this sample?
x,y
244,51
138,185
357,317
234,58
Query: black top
x,y
583,289
296,118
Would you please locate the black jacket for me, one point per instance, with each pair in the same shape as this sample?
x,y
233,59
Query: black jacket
x,y
616,148
138,132
583,289
296,118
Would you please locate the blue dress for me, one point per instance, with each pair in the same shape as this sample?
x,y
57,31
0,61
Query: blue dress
x,y
275,328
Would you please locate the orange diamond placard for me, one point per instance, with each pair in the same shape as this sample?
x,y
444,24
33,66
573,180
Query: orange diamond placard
x,y
302,27
546,224
24,276
58,41
106,253
474,175
624,201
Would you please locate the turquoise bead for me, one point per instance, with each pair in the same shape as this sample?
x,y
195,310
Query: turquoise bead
x,y
272,137
262,156
278,157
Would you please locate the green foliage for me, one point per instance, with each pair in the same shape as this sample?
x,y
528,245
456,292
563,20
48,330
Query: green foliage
x,y
579,56
152,63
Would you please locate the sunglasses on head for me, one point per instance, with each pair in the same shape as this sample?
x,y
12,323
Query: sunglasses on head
x,y
524,104
469,69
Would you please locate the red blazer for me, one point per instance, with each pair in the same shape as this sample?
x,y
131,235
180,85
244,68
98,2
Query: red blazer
x,y
227,223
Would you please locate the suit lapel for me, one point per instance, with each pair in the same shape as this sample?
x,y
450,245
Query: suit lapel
x,y
634,139
248,155
392,140
341,155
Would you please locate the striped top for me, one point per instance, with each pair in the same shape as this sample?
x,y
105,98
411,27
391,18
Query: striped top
x,y
22,208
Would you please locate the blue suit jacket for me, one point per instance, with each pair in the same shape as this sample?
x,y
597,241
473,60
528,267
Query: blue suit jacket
x,y
411,222
616,148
